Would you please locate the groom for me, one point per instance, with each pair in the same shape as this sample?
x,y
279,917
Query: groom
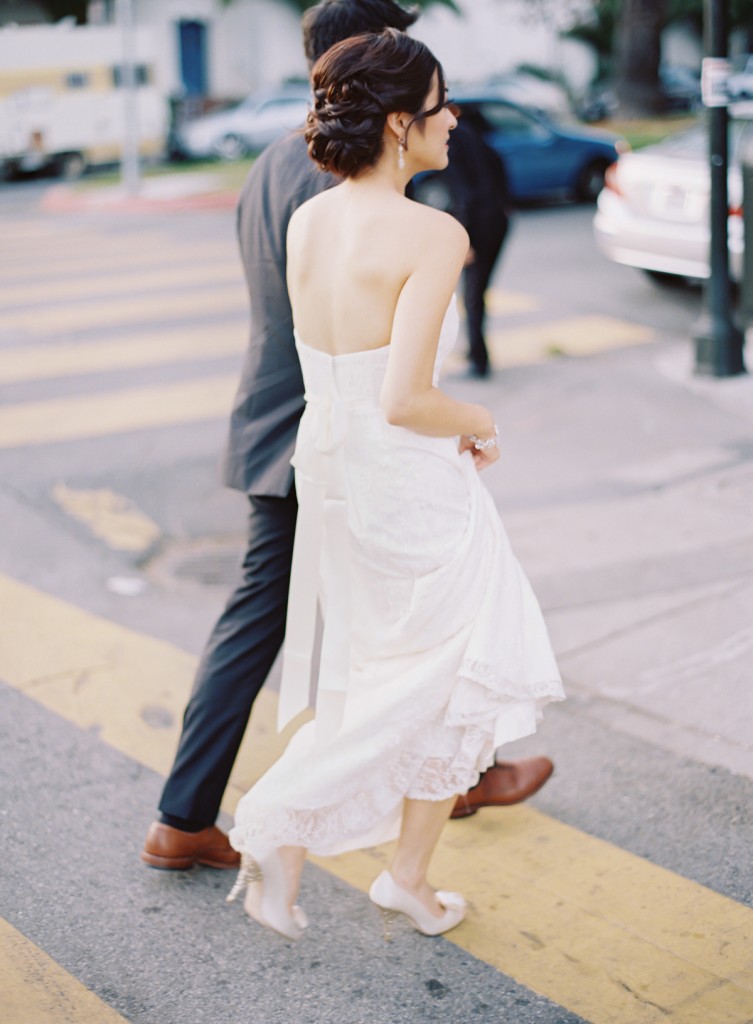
x,y
248,635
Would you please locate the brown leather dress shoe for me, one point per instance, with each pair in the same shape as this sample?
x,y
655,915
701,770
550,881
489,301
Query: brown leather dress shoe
x,y
175,850
504,784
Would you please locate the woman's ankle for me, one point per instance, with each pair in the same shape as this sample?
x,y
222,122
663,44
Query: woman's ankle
x,y
292,859
412,881
407,876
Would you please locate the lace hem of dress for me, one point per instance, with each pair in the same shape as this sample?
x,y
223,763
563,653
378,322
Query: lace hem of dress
x,y
490,677
454,750
349,822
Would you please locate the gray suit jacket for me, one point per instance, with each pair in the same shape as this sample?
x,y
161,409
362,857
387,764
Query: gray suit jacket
x,y
269,400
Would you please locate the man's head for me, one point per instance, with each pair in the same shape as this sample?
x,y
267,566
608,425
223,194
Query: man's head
x,y
332,21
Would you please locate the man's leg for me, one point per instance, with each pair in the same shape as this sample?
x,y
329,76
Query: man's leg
x,y
476,278
236,661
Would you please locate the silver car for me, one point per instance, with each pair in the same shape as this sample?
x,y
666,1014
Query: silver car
x,y
654,210
247,127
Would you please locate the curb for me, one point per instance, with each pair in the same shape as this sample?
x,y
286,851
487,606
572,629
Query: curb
x,y
62,199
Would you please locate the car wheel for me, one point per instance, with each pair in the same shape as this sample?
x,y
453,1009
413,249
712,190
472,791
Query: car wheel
x,y
664,280
70,166
231,147
8,170
590,181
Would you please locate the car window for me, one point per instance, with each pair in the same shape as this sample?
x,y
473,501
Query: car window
x,y
511,121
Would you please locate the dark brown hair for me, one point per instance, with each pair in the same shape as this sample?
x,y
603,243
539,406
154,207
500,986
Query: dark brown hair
x,y
331,21
356,84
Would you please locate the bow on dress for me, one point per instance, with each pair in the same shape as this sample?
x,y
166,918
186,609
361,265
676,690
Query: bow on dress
x,y
319,569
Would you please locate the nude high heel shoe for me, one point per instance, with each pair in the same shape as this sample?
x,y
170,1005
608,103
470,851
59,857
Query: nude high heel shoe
x,y
391,899
263,877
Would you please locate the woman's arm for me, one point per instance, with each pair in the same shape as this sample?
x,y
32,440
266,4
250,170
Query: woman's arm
x,y
409,398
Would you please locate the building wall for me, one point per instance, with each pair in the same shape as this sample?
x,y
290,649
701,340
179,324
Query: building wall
x,y
253,43
250,43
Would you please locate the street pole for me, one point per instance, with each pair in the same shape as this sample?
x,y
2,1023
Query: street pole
x,y
129,160
718,341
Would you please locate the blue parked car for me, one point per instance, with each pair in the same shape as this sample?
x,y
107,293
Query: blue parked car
x,y
544,159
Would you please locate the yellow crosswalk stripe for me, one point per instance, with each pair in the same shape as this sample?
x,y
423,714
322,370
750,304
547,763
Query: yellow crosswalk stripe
x,y
571,336
501,302
112,517
597,930
122,352
71,262
36,990
131,282
168,305
58,241
130,687
67,419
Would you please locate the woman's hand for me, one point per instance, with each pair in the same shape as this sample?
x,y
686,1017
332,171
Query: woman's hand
x,y
483,458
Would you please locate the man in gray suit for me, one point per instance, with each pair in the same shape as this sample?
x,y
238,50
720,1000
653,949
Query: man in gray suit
x,y
248,635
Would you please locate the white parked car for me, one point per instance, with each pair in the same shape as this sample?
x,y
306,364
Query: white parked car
x,y
740,82
247,127
654,210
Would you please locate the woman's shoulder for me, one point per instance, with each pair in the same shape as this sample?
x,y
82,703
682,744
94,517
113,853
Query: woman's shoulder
x,y
309,207
434,226
308,217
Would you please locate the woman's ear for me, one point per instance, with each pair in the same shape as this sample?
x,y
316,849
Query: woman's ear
x,y
397,124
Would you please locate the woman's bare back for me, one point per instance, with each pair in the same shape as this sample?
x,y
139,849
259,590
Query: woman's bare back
x,y
350,253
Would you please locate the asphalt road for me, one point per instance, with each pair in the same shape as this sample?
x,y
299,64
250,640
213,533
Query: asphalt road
x,y
120,339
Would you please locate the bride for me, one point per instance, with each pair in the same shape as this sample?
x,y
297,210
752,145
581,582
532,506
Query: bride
x,y
434,650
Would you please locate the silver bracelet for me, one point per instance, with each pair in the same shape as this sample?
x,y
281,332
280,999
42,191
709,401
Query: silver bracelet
x,y
482,443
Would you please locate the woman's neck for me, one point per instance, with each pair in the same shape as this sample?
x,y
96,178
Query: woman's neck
x,y
384,176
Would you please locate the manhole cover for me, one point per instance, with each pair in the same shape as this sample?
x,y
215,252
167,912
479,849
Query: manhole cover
x,y
211,567
217,565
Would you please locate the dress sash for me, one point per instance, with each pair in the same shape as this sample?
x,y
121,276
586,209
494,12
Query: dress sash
x,y
322,526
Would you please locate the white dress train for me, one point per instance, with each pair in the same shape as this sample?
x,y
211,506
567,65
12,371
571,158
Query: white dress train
x,y
434,651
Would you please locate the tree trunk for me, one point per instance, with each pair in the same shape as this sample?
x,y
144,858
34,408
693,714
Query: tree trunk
x,y
637,54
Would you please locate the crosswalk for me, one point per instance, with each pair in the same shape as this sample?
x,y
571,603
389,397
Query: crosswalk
x,y
599,931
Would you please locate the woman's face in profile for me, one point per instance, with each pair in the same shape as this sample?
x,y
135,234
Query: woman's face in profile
x,y
430,135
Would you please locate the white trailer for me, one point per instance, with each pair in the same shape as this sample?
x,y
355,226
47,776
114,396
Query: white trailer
x,y
62,99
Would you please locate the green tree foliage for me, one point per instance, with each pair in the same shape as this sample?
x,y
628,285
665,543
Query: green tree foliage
x,y
626,37
302,5
637,54
599,28
58,9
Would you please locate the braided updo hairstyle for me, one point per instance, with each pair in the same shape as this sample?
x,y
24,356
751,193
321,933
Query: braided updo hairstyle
x,y
356,85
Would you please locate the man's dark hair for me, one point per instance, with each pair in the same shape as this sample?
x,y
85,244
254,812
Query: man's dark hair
x,y
332,21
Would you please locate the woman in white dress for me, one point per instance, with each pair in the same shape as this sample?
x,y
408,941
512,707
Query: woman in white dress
x,y
434,650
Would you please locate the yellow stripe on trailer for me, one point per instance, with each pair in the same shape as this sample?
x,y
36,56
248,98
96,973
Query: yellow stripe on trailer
x,y
96,79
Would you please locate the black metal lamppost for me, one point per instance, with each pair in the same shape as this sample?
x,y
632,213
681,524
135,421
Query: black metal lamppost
x,y
718,340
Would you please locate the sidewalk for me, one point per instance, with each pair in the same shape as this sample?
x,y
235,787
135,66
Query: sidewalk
x,y
185,191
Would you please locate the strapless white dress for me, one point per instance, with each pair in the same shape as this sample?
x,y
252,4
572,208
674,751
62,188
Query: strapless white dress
x,y
434,650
